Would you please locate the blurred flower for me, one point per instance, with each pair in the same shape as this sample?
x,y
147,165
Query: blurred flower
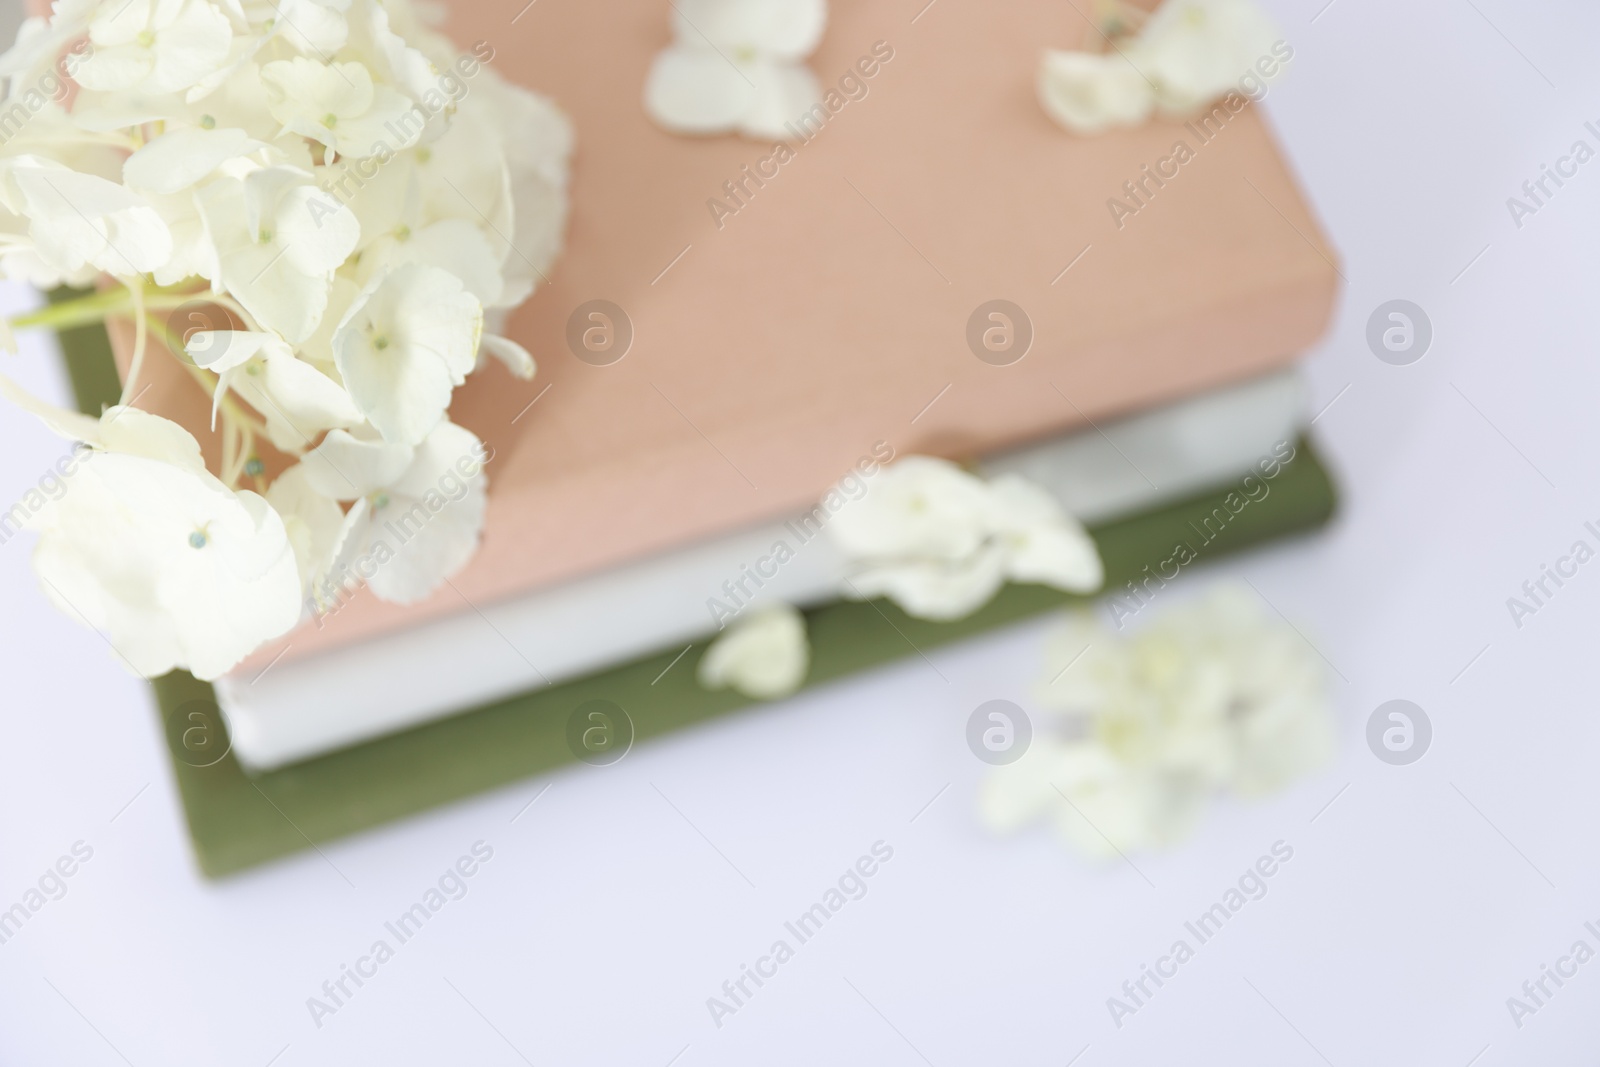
x,y
1197,50
736,65
1141,732
314,523
1187,54
77,220
940,542
151,46
763,654
1088,93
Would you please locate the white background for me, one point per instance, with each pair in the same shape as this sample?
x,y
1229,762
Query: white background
x,y
1413,907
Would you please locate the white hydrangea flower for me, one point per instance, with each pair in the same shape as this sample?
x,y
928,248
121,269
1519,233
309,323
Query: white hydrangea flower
x,y
57,42
354,192
455,245
78,220
418,511
166,172
297,400
1042,543
1088,93
348,466
314,523
391,41
940,542
497,227
176,569
1103,807
50,139
339,105
537,157
737,65
154,46
1197,50
183,156
1139,734
1187,54
410,337
279,239
312,27
763,655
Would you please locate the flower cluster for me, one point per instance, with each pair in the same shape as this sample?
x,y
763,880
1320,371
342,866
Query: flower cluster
x,y
364,204
1141,733
931,537
1185,55
940,542
736,65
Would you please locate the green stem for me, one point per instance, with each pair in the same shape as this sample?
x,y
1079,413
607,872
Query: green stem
x,y
97,306
207,381
79,312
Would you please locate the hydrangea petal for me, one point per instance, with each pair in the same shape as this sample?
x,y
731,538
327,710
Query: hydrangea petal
x,y
696,90
1088,93
408,340
405,540
1197,50
78,219
312,522
176,160
783,29
764,654
784,92
346,467
315,231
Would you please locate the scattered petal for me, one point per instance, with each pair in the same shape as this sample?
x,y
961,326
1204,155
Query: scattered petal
x,y
763,655
737,65
940,542
1088,93
1135,736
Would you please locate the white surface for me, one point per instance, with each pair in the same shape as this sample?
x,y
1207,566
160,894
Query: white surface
x,y
605,918
282,713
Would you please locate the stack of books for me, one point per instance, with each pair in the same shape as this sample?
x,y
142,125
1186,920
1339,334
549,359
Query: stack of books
x,y
934,268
